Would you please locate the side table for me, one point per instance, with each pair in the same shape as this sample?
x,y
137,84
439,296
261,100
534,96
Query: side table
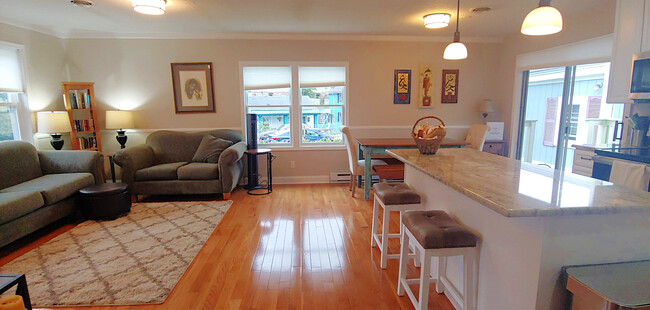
x,y
269,159
110,160
7,281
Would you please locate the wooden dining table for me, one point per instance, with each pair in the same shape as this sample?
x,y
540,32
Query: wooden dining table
x,y
378,146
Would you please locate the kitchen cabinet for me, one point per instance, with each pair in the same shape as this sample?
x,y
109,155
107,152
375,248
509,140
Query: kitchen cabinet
x,y
495,147
629,37
583,162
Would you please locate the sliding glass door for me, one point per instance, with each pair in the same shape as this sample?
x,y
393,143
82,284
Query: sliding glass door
x,y
562,107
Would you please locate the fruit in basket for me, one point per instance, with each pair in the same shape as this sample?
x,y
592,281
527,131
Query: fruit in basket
x,y
437,131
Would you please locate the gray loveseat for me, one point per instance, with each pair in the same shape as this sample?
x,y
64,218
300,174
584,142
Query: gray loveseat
x,y
164,164
39,188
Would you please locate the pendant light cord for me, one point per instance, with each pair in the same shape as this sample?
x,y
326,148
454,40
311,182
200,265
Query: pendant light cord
x,y
457,33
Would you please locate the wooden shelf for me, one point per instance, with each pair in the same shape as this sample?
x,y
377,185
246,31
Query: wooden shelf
x,y
76,94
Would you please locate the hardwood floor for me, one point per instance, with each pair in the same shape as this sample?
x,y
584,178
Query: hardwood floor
x,y
301,247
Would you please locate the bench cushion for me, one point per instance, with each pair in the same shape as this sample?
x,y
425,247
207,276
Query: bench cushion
x,y
437,230
159,172
55,187
16,204
199,171
396,194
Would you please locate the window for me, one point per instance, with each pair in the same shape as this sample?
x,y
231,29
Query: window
x,y
307,115
11,88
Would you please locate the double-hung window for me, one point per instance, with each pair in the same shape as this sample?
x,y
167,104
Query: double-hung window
x,y
11,91
307,114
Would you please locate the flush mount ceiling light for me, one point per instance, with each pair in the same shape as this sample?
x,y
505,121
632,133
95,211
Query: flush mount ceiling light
x,y
436,20
543,20
149,7
456,50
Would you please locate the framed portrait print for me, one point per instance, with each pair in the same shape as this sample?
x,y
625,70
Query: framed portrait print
x,y
426,91
193,87
449,86
402,87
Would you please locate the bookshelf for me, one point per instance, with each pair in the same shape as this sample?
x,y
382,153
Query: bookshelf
x,y
80,103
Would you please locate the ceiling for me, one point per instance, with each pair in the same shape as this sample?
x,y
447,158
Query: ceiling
x,y
212,18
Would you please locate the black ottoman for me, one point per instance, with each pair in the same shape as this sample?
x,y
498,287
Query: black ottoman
x,y
106,201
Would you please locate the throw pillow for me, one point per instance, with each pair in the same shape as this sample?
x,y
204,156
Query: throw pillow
x,y
210,149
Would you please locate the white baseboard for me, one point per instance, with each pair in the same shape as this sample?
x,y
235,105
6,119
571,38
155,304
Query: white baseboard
x,y
307,179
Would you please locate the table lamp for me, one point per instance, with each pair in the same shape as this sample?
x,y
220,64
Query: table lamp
x,y
119,120
54,123
486,107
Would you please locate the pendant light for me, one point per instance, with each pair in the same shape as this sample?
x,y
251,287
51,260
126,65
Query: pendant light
x,y
543,20
456,50
149,7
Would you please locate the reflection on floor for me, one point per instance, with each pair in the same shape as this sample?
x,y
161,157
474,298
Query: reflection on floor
x,y
301,247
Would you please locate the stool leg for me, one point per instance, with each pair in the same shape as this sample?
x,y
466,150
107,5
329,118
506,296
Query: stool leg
x,y
425,275
403,260
375,214
384,238
442,272
469,285
417,257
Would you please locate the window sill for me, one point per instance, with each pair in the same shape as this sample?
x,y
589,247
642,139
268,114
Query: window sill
x,y
303,148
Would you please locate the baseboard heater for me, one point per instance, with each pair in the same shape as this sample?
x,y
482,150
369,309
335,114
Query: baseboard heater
x,y
344,177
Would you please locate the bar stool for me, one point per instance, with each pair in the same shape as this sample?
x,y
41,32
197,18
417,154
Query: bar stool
x,y
391,197
438,235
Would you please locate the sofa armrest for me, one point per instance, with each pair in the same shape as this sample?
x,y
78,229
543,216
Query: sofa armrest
x,y
53,162
133,159
230,166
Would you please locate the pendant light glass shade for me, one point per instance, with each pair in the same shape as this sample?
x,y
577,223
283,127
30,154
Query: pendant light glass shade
x,y
455,51
436,20
541,21
149,7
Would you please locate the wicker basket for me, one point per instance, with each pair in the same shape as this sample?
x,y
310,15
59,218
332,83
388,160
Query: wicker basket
x,y
427,146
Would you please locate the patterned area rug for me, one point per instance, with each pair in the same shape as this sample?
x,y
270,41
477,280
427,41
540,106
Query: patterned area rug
x,y
136,259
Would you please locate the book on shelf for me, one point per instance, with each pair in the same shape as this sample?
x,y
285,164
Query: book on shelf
x,y
80,99
87,143
84,125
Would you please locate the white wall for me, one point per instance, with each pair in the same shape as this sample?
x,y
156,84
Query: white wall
x,y
135,74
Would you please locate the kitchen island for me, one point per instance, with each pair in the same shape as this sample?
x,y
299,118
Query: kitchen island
x,y
532,220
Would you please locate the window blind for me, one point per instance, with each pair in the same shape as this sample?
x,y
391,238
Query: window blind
x,y
10,74
266,77
321,76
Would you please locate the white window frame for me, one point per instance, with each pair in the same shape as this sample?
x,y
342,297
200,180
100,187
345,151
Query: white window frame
x,y
24,121
295,108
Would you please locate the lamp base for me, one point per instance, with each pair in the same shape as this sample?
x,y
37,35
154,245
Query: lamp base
x,y
57,142
121,138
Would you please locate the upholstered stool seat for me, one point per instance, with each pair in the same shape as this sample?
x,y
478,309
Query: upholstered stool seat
x,y
438,235
435,229
391,197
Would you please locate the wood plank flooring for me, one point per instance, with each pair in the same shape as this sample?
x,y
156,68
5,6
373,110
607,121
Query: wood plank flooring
x,y
301,247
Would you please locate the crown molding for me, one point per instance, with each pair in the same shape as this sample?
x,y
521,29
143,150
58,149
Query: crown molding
x,y
249,36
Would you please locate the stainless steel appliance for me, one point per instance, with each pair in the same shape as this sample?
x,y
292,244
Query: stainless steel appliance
x,y
640,80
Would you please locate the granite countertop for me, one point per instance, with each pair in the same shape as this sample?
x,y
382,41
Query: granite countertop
x,y
519,189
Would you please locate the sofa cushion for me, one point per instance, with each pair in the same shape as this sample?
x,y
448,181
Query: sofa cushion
x,y
210,149
16,204
55,187
199,171
18,163
159,172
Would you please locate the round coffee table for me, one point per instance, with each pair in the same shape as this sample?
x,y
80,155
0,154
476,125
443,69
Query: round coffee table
x,y
106,201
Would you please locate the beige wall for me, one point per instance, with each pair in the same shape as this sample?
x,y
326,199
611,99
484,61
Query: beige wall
x,y
591,24
135,74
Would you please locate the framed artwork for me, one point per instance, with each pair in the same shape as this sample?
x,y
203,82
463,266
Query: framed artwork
x,y
449,86
402,87
426,92
193,87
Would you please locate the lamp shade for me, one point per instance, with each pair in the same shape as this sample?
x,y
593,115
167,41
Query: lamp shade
x,y
119,119
149,7
53,122
455,51
541,21
436,20
486,106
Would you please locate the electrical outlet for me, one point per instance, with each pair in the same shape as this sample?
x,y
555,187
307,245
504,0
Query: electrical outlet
x,y
293,164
